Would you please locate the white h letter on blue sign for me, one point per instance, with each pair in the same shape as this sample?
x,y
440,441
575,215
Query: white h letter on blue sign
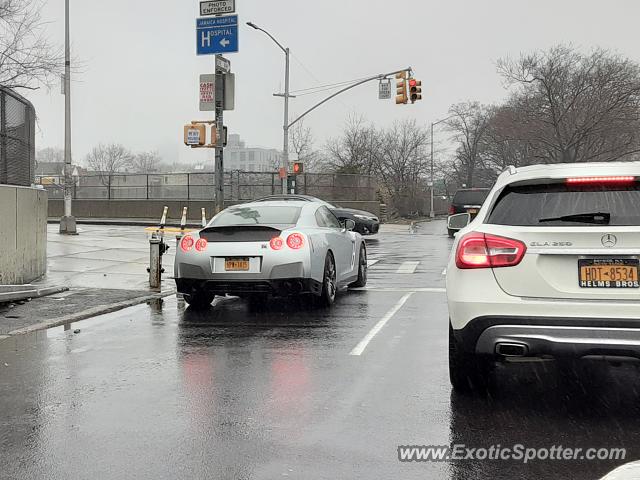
x,y
206,37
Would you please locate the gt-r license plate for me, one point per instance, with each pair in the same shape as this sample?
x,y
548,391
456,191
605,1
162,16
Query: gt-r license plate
x,y
608,273
236,264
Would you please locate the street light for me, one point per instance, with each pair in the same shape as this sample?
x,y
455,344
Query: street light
x,y
68,221
432,213
285,148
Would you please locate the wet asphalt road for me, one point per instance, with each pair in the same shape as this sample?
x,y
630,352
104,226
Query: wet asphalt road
x,y
163,392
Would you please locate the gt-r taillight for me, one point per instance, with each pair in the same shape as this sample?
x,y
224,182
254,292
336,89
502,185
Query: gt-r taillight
x,y
295,241
201,245
186,244
481,250
276,243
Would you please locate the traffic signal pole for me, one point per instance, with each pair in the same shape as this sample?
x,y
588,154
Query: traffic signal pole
x,y
285,148
381,76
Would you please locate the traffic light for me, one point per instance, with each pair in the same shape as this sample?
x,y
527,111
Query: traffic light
x,y
415,90
298,168
401,88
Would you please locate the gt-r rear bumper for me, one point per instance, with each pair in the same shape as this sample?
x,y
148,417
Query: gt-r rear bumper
x,y
280,287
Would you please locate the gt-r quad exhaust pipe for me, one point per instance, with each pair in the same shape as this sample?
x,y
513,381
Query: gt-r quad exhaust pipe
x,y
511,349
293,287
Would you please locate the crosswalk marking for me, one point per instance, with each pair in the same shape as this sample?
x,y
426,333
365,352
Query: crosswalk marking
x,y
371,263
408,267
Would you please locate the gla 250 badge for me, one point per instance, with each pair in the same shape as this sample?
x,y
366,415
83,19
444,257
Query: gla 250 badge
x,y
551,244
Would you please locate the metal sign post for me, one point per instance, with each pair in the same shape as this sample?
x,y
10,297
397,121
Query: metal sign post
x,y
219,167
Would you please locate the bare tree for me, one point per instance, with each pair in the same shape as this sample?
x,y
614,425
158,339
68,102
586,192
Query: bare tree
x,y
468,124
27,58
357,150
106,160
50,155
567,106
146,162
403,161
302,144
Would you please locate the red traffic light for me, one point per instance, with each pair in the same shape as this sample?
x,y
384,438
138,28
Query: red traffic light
x,y
413,83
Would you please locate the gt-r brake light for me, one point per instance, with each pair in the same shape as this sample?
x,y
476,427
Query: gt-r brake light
x,y
276,243
600,180
481,250
295,241
186,244
201,245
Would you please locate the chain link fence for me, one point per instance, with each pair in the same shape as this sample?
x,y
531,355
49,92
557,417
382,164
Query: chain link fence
x,y
17,139
238,186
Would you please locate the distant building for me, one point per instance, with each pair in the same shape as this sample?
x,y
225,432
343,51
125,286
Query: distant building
x,y
237,156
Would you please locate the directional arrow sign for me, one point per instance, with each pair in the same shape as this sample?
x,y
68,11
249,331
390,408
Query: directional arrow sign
x,y
215,35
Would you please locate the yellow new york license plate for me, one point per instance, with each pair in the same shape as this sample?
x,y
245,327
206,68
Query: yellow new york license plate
x,y
608,273
236,264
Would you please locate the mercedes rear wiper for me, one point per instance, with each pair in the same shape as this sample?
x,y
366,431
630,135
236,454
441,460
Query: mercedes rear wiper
x,y
598,218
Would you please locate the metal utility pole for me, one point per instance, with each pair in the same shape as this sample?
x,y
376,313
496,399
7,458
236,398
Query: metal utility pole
x,y
432,213
68,222
287,96
219,166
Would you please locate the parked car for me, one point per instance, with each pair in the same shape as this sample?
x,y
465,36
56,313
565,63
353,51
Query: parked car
x,y
548,268
366,223
468,200
279,248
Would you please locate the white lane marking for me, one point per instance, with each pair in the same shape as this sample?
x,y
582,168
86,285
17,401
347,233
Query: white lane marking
x,y
371,263
378,326
408,267
444,272
412,290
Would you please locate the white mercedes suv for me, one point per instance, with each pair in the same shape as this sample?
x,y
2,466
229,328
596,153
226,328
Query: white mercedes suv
x,y
549,268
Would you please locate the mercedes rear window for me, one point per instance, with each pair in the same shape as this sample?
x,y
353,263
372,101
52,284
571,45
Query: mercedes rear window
x,y
568,205
262,215
470,197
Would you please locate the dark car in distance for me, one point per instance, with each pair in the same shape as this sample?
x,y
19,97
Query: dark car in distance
x,y
366,222
467,200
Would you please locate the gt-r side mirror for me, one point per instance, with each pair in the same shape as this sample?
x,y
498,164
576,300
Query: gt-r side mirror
x,y
349,225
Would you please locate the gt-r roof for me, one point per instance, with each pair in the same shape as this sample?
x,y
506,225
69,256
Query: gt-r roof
x,y
567,170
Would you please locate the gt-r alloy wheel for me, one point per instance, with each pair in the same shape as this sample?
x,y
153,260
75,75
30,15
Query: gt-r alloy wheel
x,y
329,282
363,269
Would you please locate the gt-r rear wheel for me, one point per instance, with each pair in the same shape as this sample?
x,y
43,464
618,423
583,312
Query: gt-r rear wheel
x,y
199,300
362,269
329,282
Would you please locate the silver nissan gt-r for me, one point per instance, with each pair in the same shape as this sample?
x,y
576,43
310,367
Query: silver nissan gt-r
x,y
274,248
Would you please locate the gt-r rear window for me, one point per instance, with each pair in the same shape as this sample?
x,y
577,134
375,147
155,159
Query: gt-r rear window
x,y
262,215
568,205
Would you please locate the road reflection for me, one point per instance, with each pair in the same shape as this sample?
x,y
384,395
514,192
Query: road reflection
x,y
540,406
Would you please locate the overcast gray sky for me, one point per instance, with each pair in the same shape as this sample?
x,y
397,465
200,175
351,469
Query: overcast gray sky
x,y
139,80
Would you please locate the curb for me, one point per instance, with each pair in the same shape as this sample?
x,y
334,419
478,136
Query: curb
x,y
85,314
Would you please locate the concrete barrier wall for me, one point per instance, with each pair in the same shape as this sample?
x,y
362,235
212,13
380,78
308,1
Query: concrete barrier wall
x,y
23,234
152,209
